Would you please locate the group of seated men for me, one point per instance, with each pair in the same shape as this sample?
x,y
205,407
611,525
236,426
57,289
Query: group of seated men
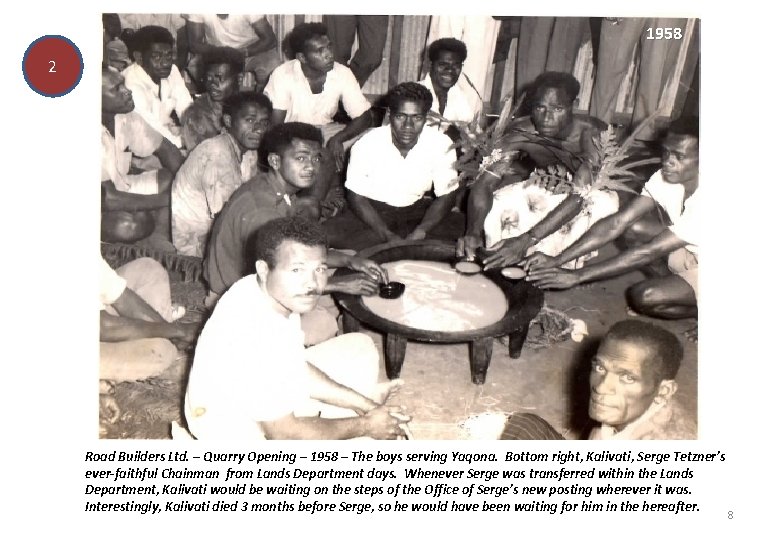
x,y
251,183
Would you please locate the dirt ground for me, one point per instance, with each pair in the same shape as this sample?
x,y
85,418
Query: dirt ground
x,y
550,381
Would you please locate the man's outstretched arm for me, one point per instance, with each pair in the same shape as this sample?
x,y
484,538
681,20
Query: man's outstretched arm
x,y
631,259
603,231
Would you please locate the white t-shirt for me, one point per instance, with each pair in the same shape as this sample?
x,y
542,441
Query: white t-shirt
x,y
684,214
155,103
234,31
249,365
289,90
133,136
463,102
377,169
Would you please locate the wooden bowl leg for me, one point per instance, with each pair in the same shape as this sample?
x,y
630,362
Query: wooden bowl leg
x,y
395,351
479,359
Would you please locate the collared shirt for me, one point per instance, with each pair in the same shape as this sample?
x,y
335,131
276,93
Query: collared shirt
x,y
133,136
377,169
249,364
463,103
205,181
255,203
234,31
682,213
156,102
289,90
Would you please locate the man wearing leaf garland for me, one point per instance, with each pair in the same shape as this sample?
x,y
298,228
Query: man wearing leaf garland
x,y
673,290
521,206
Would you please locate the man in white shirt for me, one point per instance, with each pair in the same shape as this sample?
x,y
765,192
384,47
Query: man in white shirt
x,y
672,292
390,170
157,85
454,96
251,35
308,89
253,379
134,202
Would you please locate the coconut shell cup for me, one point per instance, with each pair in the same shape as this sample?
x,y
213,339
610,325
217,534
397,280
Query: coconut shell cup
x,y
391,290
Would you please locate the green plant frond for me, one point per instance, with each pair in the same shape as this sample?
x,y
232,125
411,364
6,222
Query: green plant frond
x,y
648,161
506,115
618,171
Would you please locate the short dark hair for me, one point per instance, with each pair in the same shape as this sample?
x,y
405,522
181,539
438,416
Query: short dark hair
x,y
555,79
224,55
447,44
666,351
685,125
280,137
233,103
270,236
112,25
142,39
302,33
408,91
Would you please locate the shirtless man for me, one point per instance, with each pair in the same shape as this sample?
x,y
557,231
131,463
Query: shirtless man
x,y
568,141
672,291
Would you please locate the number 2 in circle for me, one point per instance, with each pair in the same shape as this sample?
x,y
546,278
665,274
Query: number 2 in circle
x,y
53,65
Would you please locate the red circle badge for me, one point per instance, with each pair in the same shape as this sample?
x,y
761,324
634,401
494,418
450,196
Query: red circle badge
x,y
52,66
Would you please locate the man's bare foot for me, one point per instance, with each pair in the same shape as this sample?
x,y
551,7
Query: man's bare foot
x,y
386,390
692,334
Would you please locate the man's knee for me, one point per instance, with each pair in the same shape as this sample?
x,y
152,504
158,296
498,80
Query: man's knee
x,y
318,325
642,231
642,295
144,269
126,227
136,360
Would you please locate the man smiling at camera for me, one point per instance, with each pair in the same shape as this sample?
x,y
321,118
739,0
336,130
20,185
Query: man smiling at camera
x,y
253,379
292,152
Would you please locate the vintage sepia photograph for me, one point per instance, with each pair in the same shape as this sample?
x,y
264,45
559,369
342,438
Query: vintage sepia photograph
x,y
399,227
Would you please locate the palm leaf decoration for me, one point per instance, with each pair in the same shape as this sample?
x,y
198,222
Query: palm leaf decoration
x,y
492,151
610,171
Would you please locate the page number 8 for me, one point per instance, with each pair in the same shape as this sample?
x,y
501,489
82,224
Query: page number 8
x,y
53,65
731,514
